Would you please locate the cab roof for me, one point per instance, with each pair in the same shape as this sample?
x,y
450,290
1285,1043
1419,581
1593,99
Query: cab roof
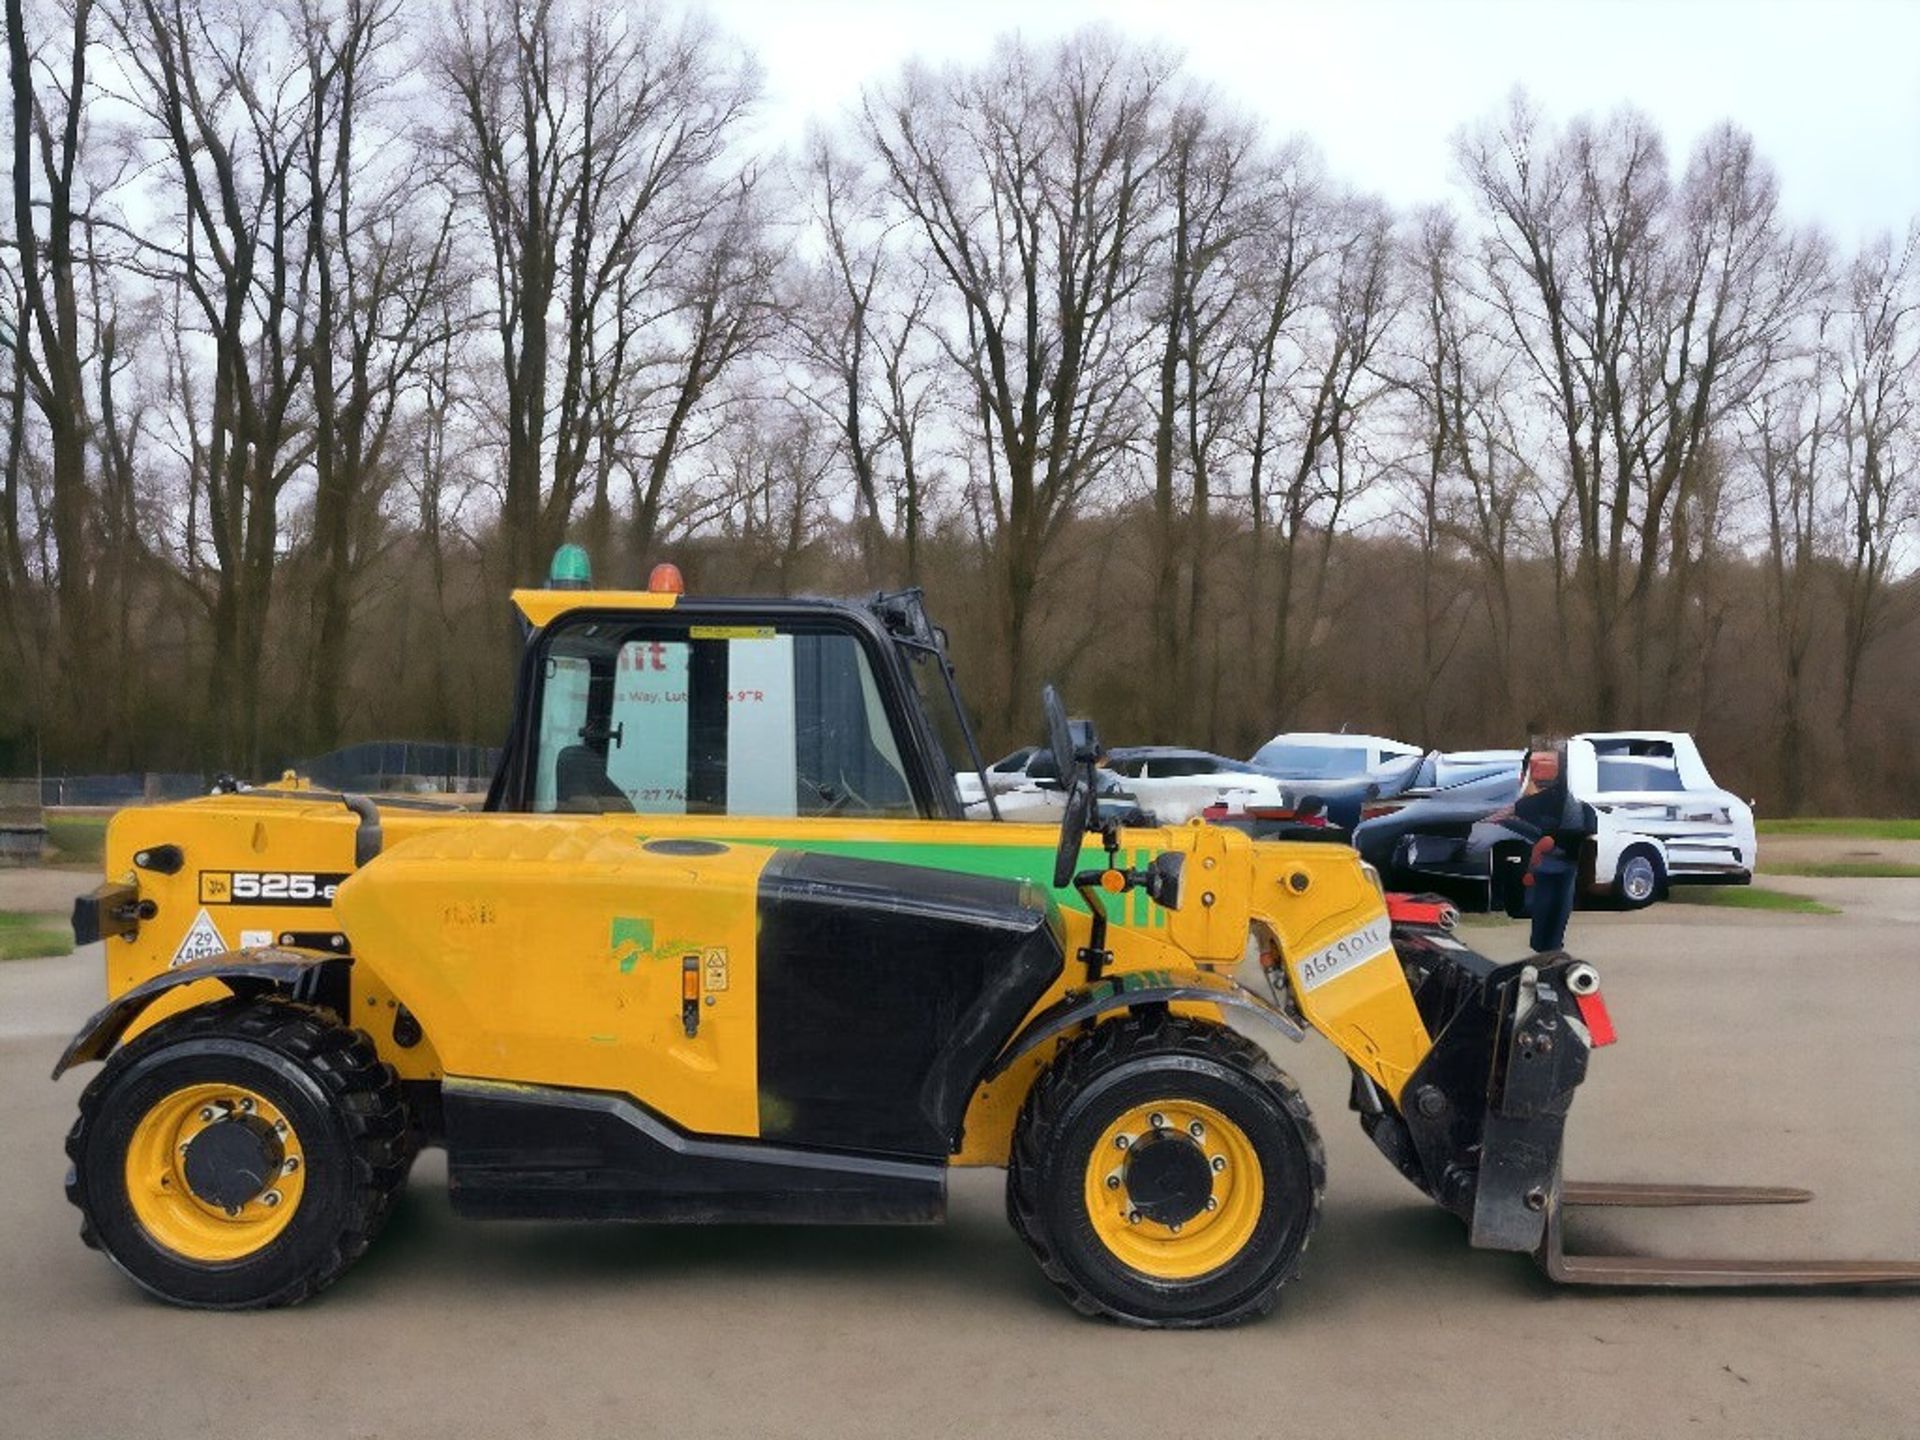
x,y
543,607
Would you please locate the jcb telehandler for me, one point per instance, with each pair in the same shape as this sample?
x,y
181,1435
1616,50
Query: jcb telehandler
x,y
721,947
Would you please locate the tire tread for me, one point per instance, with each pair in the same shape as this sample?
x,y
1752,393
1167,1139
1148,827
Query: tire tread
x,y
1140,1033
361,1088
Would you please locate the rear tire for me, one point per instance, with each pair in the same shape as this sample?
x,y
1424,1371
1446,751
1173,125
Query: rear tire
x,y
1638,879
1221,1173
254,1088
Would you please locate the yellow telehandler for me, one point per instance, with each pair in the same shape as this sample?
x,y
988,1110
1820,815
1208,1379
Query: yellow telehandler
x,y
721,946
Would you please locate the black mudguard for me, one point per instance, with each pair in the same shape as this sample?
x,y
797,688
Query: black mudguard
x,y
302,974
1130,991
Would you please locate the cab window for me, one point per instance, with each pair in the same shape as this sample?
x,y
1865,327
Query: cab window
x,y
686,719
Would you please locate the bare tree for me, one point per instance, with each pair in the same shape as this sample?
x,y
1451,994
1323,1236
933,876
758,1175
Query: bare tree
x,y
232,125
1645,311
725,308
380,259
832,328
1881,379
51,345
1313,385
1211,205
1027,183
593,144
1793,447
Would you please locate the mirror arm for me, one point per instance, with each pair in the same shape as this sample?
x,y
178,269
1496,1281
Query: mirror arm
x,y
1094,954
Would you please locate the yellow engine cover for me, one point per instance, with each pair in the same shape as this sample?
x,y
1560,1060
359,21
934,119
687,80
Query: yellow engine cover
x,y
563,954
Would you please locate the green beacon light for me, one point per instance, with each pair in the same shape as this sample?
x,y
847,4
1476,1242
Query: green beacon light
x,y
570,570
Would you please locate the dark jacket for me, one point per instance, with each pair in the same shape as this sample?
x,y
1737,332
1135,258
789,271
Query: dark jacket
x,y
1554,811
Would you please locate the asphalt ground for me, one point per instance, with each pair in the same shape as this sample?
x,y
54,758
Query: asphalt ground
x,y
1755,1047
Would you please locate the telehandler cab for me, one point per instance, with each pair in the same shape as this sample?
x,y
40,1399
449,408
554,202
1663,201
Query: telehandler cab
x,y
721,947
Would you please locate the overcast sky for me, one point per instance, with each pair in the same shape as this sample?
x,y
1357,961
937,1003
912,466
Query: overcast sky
x,y
1831,91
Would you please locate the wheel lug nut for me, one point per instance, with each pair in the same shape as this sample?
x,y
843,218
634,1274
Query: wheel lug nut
x,y
246,1107
1197,1130
1157,1120
1133,1217
1212,1203
270,1199
233,1212
1121,1142
207,1113
1113,1182
1175,1227
292,1164
1219,1163
279,1127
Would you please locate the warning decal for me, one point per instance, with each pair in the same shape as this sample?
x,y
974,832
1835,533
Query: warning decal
x,y
201,940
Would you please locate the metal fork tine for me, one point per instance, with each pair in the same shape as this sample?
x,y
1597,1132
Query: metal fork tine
x,y
1653,1270
1697,1273
1600,1192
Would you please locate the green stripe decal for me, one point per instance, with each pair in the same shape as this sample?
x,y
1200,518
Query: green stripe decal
x,y
1031,863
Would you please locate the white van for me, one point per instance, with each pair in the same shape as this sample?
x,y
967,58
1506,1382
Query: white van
x,y
1662,820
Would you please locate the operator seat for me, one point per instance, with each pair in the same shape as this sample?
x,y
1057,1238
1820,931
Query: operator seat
x,y
582,786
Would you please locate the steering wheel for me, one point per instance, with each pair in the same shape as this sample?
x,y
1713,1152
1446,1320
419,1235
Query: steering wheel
x,y
1074,779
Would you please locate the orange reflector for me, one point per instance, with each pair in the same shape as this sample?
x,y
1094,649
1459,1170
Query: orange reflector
x,y
1593,1013
1113,880
665,579
690,978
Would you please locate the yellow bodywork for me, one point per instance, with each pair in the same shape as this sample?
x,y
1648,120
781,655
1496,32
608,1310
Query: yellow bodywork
x,y
498,933
557,950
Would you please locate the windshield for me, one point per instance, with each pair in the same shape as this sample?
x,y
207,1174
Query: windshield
x,y
1312,761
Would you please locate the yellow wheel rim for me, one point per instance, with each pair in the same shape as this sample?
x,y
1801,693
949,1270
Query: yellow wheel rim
x,y
166,1204
1121,1202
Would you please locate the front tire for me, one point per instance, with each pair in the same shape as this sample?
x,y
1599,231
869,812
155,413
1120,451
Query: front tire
x,y
239,1155
1165,1173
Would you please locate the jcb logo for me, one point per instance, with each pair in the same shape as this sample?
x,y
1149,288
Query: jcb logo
x,y
268,887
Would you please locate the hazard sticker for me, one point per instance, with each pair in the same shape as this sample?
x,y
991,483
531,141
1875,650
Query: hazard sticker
x,y
201,940
714,969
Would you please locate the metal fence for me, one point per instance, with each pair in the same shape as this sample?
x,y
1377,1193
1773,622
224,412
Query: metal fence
x,y
111,791
410,765
377,766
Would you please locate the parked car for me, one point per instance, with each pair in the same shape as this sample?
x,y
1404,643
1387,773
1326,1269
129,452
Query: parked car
x,y
1002,775
1441,771
1039,800
1663,820
1316,755
1170,783
1400,781
1443,841
1659,821
1175,784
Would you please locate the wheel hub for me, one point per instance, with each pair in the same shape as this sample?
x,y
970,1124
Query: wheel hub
x,y
1168,1178
214,1172
233,1161
1173,1188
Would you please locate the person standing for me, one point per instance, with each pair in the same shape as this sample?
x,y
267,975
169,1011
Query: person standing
x,y
1558,826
